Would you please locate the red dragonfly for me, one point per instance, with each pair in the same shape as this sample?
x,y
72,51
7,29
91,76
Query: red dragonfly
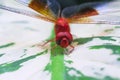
x,y
63,12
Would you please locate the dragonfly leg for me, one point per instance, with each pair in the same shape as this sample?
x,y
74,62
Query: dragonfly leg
x,y
46,42
70,49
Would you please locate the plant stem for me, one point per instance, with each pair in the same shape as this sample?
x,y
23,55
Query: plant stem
x,y
57,62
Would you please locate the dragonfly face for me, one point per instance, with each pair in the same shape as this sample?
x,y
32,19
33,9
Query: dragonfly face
x,y
69,11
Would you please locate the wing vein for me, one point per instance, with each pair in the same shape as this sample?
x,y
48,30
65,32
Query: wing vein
x,y
25,12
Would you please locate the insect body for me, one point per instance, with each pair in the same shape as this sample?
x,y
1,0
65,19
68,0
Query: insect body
x,y
62,31
63,12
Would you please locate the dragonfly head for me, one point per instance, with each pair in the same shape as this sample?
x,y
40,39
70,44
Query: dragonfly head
x,y
64,39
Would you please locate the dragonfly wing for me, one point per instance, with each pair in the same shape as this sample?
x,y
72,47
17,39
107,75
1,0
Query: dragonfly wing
x,y
105,19
54,6
80,13
41,6
26,12
82,10
99,19
24,2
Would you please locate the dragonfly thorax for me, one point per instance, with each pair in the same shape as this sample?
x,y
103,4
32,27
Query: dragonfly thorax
x,y
61,26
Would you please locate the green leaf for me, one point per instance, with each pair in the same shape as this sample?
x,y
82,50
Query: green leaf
x,y
88,39
2,55
7,45
15,65
115,48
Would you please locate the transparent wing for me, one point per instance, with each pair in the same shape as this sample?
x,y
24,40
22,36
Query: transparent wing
x,y
83,13
14,6
106,19
99,19
26,12
43,7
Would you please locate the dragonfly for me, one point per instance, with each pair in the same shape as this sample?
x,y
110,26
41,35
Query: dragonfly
x,y
64,12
